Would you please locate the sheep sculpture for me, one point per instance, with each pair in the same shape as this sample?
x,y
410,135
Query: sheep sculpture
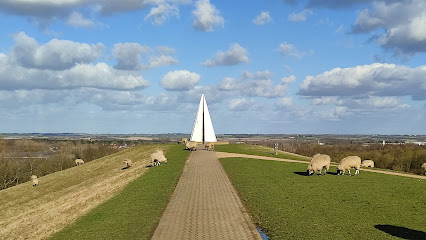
x,y
128,163
347,163
79,162
192,146
367,163
184,140
318,163
209,146
35,180
424,167
157,158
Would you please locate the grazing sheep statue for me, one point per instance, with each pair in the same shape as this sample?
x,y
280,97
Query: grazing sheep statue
x,y
192,146
347,163
128,163
209,146
367,163
158,157
424,167
79,162
35,180
318,163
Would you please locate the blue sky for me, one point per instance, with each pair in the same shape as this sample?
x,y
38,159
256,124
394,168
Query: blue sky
x,y
265,66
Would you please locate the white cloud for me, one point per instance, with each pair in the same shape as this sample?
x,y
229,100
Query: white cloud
x,y
368,80
56,54
78,20
98,75
287,49
288,80
300,16
206,16
333,4
336,113
403,23
376,102
44,12
235,55
262,19
228,84
162,12
129,56
243,104
285,102
180,80
327,101
259,84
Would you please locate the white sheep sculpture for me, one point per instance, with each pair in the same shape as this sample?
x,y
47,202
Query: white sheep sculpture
x,y
79,162
424,167
347,163
318,163
128,163
35,180
192,146
157,158
209,146
367,163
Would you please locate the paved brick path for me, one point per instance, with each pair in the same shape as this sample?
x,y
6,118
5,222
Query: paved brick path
x,y
205,205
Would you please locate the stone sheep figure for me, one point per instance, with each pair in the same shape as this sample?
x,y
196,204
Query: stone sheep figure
x,y
318,163
209,146
347,163
128,163
192,146
367,163
157,158
35,180
79,162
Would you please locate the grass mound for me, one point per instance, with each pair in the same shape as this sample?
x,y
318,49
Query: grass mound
x,y
28,212
259,151
134,212
287,204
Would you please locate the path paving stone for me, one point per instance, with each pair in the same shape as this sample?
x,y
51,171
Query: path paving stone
x,y
205,205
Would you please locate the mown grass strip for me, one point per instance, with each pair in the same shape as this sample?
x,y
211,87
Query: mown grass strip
x,y
134,212
258,151
287,204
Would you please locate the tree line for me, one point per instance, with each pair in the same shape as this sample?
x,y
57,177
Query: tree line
x,y
19,159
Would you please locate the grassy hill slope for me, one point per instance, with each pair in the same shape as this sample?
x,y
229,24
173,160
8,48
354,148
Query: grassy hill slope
x,y
36,212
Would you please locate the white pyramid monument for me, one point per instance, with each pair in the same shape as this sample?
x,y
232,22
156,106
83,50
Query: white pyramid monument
x,y
203,131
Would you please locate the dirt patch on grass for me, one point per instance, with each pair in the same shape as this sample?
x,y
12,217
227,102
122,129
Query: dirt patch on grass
x,y
28,212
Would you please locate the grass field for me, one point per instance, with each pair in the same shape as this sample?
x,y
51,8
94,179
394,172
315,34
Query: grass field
x,y
135,211
287,204
258,150
28,212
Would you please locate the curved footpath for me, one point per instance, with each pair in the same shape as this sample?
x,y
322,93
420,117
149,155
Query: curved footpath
x,y
230,155
205,205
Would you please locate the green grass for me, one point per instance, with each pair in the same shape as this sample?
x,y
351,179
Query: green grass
x,y
134,212
257,150
286,204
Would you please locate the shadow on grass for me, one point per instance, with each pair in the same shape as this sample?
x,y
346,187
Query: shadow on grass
x,y
125,168
301,173
402,232
306,174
